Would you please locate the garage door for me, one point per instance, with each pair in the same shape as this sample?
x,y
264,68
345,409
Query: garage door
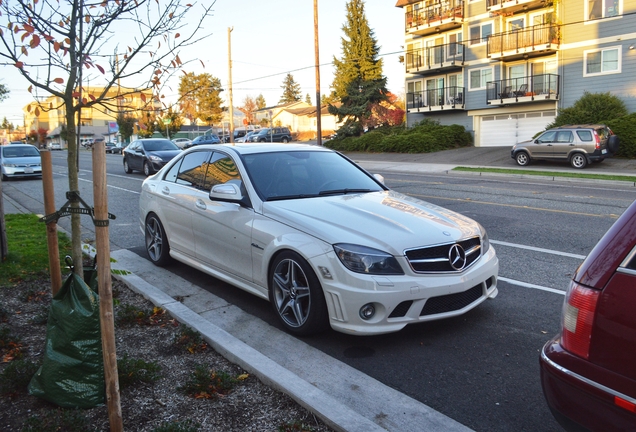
x,y
506,130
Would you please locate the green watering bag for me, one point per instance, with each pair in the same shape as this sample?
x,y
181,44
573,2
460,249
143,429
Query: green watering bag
x,y
72,372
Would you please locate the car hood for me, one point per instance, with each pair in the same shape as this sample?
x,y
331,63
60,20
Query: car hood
x,y
25,160
385,220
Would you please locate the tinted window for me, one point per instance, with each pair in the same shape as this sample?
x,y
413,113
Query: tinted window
x,y
564,137
584,135
191,170
221,169
547,137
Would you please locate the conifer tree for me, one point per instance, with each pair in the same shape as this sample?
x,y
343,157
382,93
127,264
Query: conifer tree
x,y
358,81
291,90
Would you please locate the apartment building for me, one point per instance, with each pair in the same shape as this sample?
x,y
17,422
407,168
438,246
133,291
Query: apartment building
x,y
503,68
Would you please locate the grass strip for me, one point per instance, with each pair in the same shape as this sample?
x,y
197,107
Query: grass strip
x,y
624,178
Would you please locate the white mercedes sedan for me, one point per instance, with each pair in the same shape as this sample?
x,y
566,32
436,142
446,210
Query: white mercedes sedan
x,y
325,241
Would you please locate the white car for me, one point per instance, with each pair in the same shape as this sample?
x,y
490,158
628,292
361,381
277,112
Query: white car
x,y
182,142
326,242
55,146
19,161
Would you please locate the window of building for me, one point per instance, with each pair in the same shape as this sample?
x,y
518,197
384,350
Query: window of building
x,y
602,61
479,77
479,33
597,9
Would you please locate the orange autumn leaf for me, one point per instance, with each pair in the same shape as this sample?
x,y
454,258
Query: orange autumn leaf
x,y
59,80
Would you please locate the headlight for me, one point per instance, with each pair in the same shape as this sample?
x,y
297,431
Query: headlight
x,y
361,259
9,165
485,242
154,158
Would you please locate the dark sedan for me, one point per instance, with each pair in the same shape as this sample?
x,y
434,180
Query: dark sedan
x,y
587,371
149,155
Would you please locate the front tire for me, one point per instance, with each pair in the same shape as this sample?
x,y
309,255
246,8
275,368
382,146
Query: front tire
x,y
296,295
285,140
522,158
157,246
147,169
578,161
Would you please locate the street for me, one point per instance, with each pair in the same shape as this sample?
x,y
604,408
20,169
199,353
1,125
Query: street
x,y
481,369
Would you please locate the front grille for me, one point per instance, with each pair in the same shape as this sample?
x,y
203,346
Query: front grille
x,y
436,259
451,302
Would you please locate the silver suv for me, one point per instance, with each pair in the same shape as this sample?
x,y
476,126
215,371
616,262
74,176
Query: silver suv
x,y
577,144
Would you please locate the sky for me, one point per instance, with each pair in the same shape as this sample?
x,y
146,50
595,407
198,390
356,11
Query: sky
x,y
269,39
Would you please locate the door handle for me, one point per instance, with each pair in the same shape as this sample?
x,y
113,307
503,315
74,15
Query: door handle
x,y
200,204
165,190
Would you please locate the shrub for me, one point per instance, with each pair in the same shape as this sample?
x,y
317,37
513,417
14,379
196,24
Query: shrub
x,y
205,383
625,128
190,340
184,426
16,377
58,420
591,108
132,371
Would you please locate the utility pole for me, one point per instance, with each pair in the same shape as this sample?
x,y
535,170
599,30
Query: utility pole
x,y
317,61
229,74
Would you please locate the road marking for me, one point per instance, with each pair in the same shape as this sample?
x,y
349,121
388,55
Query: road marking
x,y
536,249
611,215
529,285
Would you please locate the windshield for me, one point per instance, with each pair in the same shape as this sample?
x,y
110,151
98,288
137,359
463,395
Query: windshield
x,y
159,145
306,174
18,152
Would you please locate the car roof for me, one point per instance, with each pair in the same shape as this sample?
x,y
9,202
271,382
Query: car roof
x,y
581,126
251,148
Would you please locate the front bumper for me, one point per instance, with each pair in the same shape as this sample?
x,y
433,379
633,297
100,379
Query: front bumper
x,y
403,299
577,401
22,171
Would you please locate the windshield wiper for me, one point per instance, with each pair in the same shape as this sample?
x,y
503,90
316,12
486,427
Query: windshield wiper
x,y
286,197
342,191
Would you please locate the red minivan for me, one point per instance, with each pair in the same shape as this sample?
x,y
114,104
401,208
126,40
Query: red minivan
x,y
588,371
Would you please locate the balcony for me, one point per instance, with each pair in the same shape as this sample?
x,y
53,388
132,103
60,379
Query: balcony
x,y
513,6
534,88
531,41
435,18
445,98
435,59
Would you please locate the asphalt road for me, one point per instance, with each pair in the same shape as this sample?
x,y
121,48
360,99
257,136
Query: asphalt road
x,y
480,369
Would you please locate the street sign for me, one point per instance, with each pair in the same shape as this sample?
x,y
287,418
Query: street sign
x,y
167,121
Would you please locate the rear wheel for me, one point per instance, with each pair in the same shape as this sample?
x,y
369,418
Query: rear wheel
x,y
157,245
296,295
522,158
578,160
127,167
285,140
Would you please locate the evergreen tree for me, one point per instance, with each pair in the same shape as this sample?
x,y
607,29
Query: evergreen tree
x,y
260,102
358,81
291,90
308,99
199,98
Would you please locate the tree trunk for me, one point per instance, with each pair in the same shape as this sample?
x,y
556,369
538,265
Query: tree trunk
x,y
73,185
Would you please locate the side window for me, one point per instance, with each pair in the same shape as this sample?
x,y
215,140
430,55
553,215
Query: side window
x,y
547,137
192,169
564,137
221,169
584,135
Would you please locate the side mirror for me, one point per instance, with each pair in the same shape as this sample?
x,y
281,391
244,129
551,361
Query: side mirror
x,y
225,192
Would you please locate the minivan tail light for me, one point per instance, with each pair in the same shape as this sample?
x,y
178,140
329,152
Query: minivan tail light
x,y
578,318
598,140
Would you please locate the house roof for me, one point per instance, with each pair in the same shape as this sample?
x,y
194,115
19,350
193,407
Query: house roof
x,y
84,131
401,3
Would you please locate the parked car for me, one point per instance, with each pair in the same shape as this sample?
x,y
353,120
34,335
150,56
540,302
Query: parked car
x,y
204,139
149,155
246,137
20,160
587,371
326,242
577,144
182,142
111,147
277,134
55,146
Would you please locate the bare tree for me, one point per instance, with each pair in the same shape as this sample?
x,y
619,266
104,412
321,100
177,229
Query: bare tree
x,y
62,46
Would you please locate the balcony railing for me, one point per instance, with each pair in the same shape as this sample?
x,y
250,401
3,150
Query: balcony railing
x,y
434,14
519,41
520,4
451,97
436,57
523,89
